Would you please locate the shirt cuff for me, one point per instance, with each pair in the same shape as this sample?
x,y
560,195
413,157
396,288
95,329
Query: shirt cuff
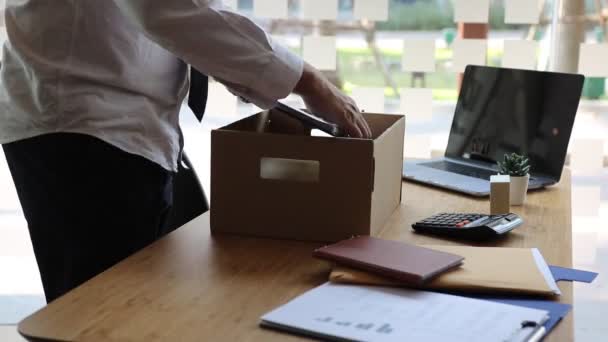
x,y
276,81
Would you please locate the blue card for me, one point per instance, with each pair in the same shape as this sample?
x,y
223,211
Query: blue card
x,y
556,310
571,274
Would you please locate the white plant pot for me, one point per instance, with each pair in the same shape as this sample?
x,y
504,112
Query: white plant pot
x,y
518,189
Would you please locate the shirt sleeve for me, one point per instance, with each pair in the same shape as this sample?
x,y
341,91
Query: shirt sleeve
x,y
221,44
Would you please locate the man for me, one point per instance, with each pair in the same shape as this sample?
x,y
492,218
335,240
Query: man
x,y
90,97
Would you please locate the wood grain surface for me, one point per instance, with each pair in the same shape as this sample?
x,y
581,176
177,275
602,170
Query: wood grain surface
x,y
191,286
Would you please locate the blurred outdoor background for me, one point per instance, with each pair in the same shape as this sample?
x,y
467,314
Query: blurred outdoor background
x,y
405,56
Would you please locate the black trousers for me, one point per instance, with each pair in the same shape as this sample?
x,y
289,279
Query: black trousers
x,y
88,204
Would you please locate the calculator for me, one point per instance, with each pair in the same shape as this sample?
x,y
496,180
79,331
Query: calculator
x,y
468,226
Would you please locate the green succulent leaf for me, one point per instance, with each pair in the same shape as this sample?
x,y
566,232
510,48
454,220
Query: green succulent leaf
x,y
514,165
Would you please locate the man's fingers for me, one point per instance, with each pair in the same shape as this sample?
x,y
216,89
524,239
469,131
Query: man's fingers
x,y
356,126
364,127
359,120
353,131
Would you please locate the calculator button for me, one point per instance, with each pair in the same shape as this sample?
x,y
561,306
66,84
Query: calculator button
x,y
462,224
478,221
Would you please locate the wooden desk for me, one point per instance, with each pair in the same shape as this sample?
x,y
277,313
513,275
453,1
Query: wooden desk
x,y
191,286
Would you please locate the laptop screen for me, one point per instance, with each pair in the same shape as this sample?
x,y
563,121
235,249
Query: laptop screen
x,y
507,110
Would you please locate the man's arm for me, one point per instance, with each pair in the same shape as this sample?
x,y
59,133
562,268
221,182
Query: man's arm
x,y
233,49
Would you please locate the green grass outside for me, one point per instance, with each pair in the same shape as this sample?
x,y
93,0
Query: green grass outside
x,y
358,69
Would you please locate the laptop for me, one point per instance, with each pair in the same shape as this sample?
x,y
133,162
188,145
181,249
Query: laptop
x,y
502,111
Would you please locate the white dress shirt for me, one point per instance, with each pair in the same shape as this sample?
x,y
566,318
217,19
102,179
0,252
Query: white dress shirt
x,y
116,69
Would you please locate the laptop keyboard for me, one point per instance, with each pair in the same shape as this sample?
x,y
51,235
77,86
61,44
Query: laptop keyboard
x,y
461,169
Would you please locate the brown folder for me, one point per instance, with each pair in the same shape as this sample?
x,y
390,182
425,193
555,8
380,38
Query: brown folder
x,y
397,260
485,270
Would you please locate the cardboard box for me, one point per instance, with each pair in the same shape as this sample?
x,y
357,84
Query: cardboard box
x,y
271,178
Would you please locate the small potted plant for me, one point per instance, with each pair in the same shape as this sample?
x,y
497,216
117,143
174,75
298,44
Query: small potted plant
x,y
518,167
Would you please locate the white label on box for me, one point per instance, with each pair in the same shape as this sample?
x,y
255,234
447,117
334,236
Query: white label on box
x,y
370,100
306,171
468,52
270,9
520,54
522,11
418,55
319,9
376,10
471,11
320,52
417,103
592,60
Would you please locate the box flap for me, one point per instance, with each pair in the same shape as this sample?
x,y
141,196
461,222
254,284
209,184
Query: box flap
x,y
388,157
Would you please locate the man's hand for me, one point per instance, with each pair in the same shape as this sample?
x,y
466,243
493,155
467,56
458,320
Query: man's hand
x,y
327,101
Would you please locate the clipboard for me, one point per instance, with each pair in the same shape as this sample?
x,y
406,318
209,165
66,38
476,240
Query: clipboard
x,y
339,312
529,332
